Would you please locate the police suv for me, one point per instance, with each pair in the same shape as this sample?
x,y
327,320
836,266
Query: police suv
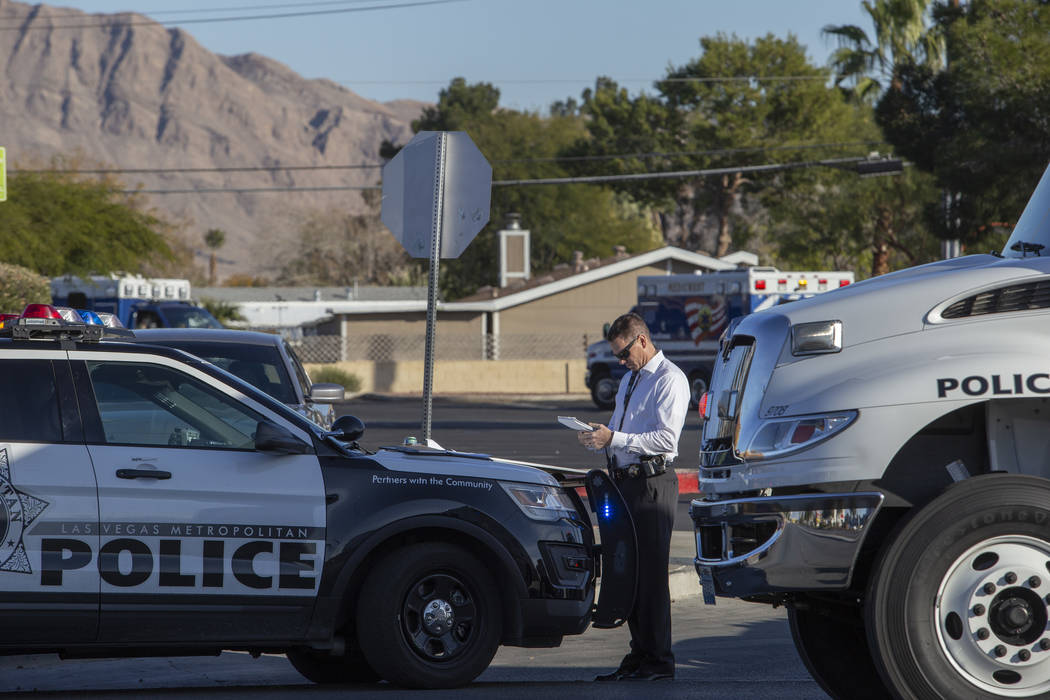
x,y
156,504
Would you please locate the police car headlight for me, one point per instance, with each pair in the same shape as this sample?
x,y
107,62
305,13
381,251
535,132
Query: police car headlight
x,y
777,438
816,338
540,502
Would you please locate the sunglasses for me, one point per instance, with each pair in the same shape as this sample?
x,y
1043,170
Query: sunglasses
x,y
626,352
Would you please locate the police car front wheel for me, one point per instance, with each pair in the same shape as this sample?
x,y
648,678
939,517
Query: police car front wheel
x,y
429,616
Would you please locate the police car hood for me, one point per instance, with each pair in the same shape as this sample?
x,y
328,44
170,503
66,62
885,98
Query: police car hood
x,y
901,302
449,463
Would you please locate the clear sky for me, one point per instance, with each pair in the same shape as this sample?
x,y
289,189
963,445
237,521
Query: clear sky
x,y
534,51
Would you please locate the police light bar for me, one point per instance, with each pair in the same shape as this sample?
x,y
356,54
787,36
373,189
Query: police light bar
x,y
46,322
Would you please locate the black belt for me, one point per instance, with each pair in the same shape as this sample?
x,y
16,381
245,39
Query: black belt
x,y
647,466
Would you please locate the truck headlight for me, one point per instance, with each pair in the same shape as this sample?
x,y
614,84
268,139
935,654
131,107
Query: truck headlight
x,y
777,438
816,338
541,502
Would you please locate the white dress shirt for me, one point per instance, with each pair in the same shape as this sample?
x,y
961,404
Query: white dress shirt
x,y
654,415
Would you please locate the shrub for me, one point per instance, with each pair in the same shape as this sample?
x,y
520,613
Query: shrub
x,y
20,286
223,311
331,373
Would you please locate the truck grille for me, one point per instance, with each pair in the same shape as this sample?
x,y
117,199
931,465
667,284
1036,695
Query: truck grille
x,y
1017,297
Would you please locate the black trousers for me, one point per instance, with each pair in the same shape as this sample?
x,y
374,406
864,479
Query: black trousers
x,y
652,504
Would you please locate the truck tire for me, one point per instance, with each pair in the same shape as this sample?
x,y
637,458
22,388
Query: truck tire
x,y
325,668
699,380
957,606
429,616
835,651
603,391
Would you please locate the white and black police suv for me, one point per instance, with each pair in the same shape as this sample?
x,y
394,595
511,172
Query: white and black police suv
x,y
155,504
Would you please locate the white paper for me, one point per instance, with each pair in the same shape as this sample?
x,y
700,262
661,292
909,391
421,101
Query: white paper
x,y
573,423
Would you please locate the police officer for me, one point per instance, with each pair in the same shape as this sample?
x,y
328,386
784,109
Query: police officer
x,y
651,406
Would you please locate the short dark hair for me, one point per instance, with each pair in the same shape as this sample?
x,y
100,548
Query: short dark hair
x,y
629,326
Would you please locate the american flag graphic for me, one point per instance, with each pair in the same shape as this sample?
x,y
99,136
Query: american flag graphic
x,y
707,317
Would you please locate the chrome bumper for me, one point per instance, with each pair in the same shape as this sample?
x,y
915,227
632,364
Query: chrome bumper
x,y
776,544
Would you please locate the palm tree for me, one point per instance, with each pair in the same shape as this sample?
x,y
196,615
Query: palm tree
x,y
214,238
901,35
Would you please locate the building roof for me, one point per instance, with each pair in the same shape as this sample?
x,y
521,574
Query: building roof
x,y
287,312
563,278
236,295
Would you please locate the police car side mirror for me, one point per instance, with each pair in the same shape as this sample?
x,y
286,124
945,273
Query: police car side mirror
x,y
347,429
273,439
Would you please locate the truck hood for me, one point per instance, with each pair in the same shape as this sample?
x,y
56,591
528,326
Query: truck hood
x,y
904,299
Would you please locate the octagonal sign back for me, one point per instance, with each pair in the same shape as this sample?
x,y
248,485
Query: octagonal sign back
x,y
438,174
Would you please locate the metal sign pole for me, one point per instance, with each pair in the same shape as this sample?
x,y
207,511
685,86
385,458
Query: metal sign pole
x,y
432,283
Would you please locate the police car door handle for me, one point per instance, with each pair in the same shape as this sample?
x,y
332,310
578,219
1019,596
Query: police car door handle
x,y
142,474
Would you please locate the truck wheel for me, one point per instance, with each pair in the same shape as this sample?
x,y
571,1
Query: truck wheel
x,y
958,604
835,651
325,668
698,383
429,616
603,391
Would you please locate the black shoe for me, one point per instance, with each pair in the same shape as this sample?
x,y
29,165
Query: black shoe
x,y
616,675
646,675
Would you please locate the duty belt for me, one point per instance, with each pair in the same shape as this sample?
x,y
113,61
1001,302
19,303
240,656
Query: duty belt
x,y
646,467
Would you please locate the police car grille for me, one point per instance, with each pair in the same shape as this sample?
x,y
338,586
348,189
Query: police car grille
x,y
1018,297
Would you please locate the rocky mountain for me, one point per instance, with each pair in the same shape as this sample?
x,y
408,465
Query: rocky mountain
x,y
121,91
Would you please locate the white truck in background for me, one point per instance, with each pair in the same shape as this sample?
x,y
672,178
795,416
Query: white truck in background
x,y
139,302
687,313
878,461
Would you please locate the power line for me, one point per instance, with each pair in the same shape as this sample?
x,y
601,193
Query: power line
x,y
576,81
587,179
208,20
238,8
372,166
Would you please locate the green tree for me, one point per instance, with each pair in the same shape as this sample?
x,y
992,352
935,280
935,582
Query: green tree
x,y
901,35
214,238
55,224
561,218
739,103
870,225
20,286
978,125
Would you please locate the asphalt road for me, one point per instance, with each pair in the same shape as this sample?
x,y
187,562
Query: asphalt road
x,y
730,651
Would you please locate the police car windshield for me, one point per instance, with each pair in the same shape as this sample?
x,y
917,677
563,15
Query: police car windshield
x,y
259,365
1031,236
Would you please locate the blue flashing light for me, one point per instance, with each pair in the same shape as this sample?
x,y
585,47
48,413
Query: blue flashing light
x,y
607,509
90,317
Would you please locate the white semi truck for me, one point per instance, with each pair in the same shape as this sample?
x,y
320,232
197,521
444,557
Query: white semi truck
x,y
878,460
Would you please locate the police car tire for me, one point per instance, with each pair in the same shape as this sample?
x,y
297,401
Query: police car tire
x,y
900,614
835,651
386,613
325,668
603,391
699,383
